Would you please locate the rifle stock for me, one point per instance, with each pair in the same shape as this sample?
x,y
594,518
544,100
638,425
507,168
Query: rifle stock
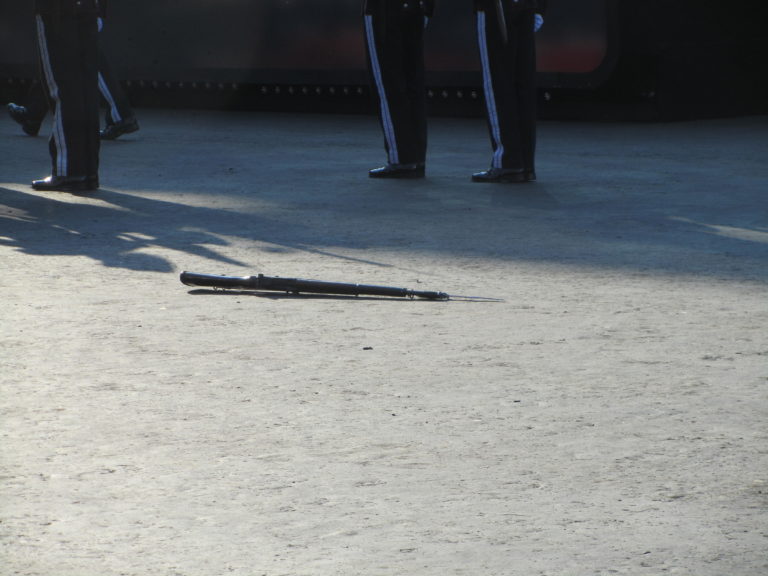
x,y
299,286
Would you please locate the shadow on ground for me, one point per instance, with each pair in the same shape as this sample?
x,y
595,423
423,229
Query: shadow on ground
x,y
599,203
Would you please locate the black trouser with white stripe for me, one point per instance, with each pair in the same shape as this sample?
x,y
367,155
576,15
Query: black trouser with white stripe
x,y
118,106
68,41
508,59
394,33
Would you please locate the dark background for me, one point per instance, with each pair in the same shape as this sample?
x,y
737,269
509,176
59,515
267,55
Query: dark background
x,y
605,59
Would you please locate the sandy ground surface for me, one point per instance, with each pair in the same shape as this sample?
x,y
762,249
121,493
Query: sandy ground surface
x,y
610,416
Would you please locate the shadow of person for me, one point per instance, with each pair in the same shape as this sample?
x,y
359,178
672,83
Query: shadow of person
x,y
137,232
114,229
119,229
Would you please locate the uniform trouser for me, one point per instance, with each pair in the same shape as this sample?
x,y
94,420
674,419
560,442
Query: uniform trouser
x,y
69,45
118,105
509,82
395,46
37,101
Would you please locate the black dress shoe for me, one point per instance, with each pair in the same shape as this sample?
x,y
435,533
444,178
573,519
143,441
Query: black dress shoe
x,y
398,171
20,115
67,184
114,131
504,175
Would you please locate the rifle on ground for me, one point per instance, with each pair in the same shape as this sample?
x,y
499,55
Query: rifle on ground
x,y
299,286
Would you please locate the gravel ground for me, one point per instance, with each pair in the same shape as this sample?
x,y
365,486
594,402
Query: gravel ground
x,y
606,416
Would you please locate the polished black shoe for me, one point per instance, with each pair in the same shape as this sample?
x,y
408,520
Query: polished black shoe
x,y
398,171
20,115
67,184
504,175
114,131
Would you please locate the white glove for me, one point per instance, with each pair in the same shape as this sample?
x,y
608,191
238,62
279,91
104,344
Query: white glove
x,y
538,22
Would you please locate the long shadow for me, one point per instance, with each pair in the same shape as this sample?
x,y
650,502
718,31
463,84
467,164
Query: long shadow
x,y
530,224
241,182
113,227
108,233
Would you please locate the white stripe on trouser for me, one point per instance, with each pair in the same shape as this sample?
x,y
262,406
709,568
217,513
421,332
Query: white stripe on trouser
x,y
57,132
490,98
386,116
114,113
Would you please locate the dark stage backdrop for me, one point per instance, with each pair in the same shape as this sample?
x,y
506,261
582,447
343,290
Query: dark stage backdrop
x,y
314,42
648,59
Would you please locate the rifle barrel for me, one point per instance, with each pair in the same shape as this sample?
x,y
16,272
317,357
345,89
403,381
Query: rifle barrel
x,y
299,285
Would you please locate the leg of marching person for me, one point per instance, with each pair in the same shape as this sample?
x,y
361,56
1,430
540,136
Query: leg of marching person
x,y
68,42
394,43
508,62
30,115
120,118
